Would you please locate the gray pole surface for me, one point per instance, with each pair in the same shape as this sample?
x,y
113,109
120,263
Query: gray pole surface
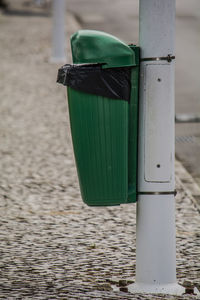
x,y
58,32
155,233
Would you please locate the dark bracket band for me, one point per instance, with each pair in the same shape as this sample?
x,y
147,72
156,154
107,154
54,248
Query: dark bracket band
x,y
158,193
168,58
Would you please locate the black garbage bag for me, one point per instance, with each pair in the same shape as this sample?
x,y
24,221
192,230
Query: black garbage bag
x,y
112,83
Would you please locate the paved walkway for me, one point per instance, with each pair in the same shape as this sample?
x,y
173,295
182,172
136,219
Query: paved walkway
x,y
52,246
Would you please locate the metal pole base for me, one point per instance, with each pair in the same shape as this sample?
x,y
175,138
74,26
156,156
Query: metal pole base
x,y
167,289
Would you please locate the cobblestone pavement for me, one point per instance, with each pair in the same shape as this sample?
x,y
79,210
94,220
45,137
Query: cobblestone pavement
x,y
52,245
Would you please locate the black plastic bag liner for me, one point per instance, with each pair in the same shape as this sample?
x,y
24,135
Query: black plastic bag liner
x,y
112,83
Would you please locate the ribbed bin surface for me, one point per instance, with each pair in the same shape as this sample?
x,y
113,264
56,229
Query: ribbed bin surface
x,y
100,138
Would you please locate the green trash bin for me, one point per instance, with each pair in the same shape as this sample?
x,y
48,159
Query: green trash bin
x,y
103,108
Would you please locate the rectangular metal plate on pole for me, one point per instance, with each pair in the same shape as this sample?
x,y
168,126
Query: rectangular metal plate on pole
x,y
155,232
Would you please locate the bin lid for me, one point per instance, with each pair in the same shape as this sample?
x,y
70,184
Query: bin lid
x,y
91,46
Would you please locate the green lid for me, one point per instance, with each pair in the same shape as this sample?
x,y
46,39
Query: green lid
x,y
91,46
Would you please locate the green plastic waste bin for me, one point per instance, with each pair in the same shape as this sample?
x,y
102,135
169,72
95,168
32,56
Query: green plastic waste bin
x,y
104,120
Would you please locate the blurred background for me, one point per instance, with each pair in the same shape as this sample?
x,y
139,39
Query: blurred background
x,y
120,18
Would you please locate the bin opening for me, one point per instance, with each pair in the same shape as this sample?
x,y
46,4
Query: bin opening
x,y
112,83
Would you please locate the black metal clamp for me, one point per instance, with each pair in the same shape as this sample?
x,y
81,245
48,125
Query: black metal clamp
x,y
168,58
158,193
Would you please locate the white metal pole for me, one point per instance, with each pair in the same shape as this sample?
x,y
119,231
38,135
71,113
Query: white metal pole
x,y
58,34
155,237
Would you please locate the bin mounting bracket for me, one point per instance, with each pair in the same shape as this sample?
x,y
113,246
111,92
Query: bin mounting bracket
x,y
158,193
168,58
